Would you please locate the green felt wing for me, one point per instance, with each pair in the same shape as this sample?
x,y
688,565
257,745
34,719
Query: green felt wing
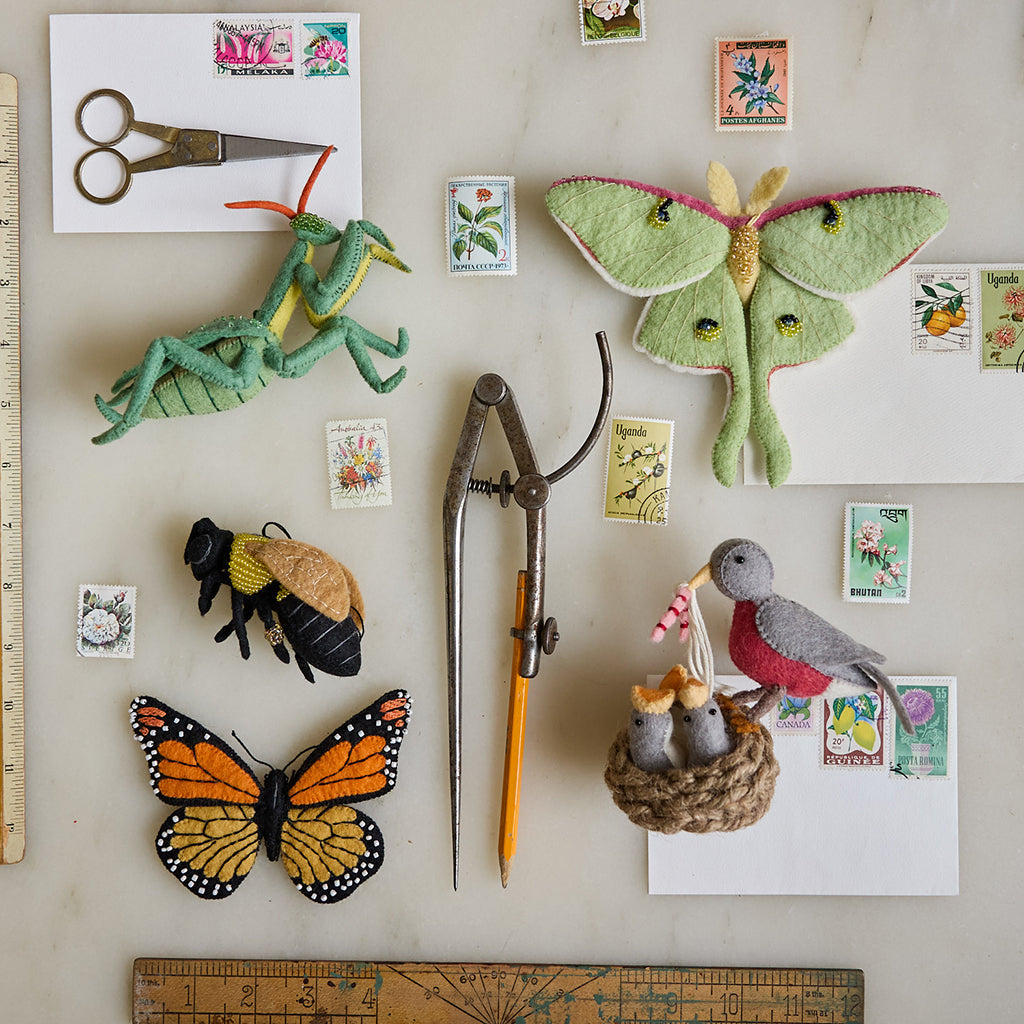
x,y
676,330
611,223
789,325
844,243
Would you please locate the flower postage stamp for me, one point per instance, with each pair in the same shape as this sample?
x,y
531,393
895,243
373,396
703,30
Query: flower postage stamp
x,y
358,463
753,85
612,21
1002,318
480,225
877,540
926,754
106,621
325,49
253,48
639,458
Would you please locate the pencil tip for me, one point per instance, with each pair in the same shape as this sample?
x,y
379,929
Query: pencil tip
x,y
505,870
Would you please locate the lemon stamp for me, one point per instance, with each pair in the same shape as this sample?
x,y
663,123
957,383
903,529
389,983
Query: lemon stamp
x,y
944,301
853,734
876,564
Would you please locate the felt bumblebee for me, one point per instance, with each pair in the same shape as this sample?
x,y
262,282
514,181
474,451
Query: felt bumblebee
x,y
299,592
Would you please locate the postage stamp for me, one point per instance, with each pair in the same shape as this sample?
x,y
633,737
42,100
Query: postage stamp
x,y
480,225
853,732
795,716
106,621
612,21
358,463
877,545
1002,318
325,49
637,471
253,48
753,85
943,307
926,754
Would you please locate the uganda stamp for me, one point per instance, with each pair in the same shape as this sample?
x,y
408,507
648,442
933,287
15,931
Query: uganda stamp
x,y
795,716
853,733
637,472
480,225
753,85
325,49
926,754
106,621
877,544
1002,318
612,21
358,463
943,308
252,48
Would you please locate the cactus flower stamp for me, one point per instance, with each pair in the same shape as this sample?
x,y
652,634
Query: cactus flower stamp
x,y
358,463
877,561
637,477
753,85
926,754
480,225
106,621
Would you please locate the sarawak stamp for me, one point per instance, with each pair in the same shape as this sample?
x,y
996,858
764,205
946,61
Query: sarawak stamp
x,y
877,560
480,225
753,85
637,473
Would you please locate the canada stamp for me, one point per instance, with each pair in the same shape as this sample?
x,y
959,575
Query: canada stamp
x,y
943,308
612,21
637,471
358,463
753,85
1002,317
106,621
853,732
877,553
795,716
480,225
325,49
253,47
926,754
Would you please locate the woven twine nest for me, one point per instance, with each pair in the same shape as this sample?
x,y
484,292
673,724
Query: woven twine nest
x,y
734,791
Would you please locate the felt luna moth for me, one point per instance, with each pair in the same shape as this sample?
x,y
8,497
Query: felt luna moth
x,y
743,290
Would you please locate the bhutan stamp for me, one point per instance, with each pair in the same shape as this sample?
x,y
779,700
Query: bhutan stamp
x,y
1002,318
943,308
853,733
612,21
253,47
325,49
925,755
637,473
753,85
877,562
106,621
795,716
358,463
480,225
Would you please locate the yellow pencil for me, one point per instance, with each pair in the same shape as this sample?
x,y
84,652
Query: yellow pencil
x,y
514,743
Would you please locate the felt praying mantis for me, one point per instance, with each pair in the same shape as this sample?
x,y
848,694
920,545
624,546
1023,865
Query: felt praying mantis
x,y
224,363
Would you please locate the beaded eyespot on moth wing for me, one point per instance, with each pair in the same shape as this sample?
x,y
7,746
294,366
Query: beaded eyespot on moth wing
x,y
743,290
223,812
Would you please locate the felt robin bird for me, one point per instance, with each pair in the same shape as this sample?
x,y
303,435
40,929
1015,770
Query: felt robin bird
x,y
783,646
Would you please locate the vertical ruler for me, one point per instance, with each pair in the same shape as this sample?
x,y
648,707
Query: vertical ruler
x,y
12,675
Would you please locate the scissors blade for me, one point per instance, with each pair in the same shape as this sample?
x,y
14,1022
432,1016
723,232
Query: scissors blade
x,y
243,147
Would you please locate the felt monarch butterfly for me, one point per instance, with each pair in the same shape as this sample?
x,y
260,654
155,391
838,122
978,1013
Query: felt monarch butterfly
x,y
223,812
743,290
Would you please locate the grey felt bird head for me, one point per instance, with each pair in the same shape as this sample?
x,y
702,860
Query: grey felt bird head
x,y
705,734
740,569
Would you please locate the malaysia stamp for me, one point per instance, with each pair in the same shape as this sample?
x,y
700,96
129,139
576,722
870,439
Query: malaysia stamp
x,y
853,732
1002,318
943,307
325,49
753,85
926,754
252,48
106,621
637,471
358,463
795,716
612,21
876,557
480,225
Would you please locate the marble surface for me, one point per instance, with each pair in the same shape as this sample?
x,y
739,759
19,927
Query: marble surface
x,y
928,93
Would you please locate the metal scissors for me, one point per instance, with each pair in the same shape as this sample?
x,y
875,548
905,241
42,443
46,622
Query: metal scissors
x,y
188,147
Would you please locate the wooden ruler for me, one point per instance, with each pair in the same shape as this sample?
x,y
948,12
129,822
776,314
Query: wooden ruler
x,y
334,991
12,677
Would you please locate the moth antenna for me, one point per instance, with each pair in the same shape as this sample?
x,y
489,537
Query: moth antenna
x,y
722,189
767,189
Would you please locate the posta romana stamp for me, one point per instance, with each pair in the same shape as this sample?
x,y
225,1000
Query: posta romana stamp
x,y
480,225
637,475
926,754
753,85
358,463
106,621
877,554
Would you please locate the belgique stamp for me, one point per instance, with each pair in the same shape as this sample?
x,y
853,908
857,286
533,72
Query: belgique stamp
x,y
1002,318
358,463
853,732
612,21
480,225
106,621
926,754
753,85
637,472
325,49
877,553
253,47
943,308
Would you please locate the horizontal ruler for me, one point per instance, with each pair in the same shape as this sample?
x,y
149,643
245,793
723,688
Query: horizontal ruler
x,y
200,991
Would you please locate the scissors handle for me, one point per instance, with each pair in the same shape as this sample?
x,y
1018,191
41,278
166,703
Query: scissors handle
x,y
156,131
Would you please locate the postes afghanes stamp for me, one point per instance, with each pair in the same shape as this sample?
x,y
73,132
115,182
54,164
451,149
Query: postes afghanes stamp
x,y
753,85
637,472
480,225
253,47
106,621
853,733
877,553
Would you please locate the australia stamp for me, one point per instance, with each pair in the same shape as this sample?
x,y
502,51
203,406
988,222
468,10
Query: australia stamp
x,y
612,21
637,472
795,716
325,49
358,463
253,47
853,732
926,754
943,307
1002,318
106,621
877,561
753,85
480,225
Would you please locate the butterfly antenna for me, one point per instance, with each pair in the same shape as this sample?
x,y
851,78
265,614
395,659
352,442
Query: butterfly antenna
x,y
296,757
241,743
